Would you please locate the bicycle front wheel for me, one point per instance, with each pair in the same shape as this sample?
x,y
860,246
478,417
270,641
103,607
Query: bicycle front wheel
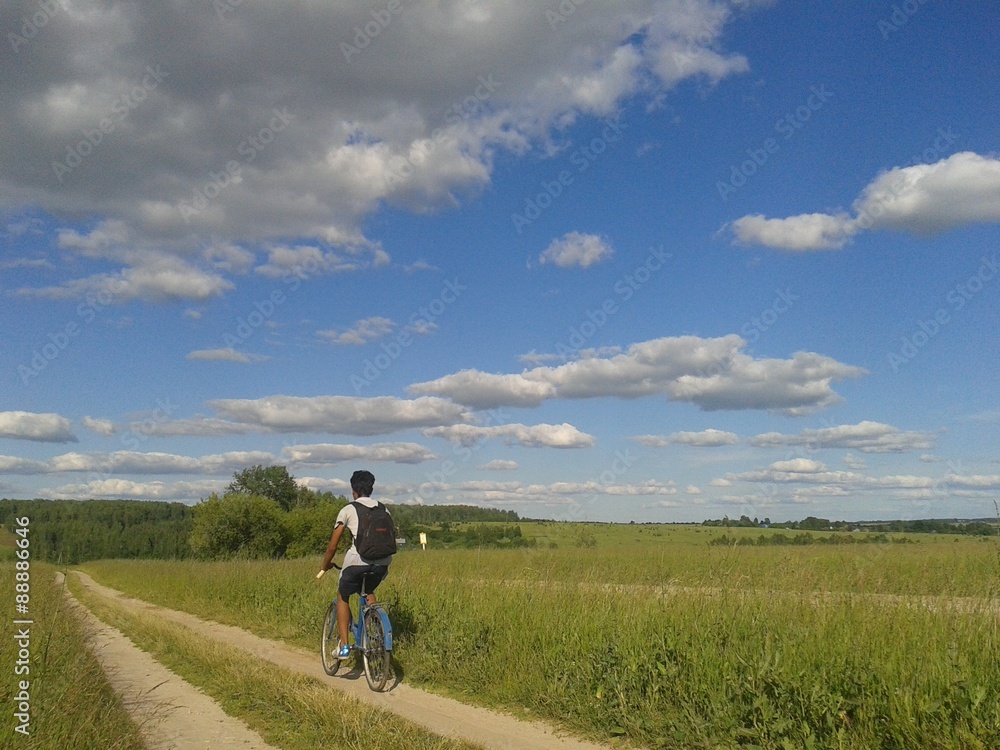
x,y
376,656
330,644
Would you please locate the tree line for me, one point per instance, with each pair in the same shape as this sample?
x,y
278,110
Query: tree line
x,y
812,523
263,513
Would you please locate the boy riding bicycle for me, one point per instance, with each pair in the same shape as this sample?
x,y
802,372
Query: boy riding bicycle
x,y
356,570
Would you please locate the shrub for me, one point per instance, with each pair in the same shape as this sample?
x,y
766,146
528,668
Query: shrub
x,y
309,528
238,525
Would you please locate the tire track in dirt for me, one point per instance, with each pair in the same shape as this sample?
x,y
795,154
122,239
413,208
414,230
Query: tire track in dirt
x,y
443,716
171,713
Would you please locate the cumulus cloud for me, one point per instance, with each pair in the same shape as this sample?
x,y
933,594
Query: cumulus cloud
x,y
148,274
534,436
328,454
363,331
104,427
867,437
709,438
499,465
711,373
134,462
43,428
576,250
520,493
16,465
797,233
224,355
239,134
922,199
126,489
338,414
853,462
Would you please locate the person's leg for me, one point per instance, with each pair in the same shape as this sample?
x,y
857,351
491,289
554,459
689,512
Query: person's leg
x,y
343,618
374,577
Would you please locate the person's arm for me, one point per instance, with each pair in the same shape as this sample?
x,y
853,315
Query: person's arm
x,y
331,549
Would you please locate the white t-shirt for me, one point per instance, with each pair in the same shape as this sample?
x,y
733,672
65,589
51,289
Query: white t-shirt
x,y
349,517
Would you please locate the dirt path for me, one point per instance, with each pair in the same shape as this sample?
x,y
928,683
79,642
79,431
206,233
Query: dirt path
x,y
442,716
171,714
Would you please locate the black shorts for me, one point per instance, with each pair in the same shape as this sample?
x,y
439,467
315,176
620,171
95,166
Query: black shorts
x,y
351,579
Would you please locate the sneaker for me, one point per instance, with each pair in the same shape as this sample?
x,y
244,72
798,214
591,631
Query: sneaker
x,y
344,652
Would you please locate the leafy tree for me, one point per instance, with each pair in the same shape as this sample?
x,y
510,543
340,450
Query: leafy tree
x,y
238,525
273,481
310,526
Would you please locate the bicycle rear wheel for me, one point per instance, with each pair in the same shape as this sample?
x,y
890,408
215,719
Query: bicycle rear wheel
x,y
374,652
330,644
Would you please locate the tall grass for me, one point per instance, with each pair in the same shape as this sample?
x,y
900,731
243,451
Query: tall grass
x,y
751,650
289,710
72,704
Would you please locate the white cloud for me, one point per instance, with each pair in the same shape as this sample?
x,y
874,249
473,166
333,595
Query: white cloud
x,y
853,462
103,427
148,274
499,465
798,466
133,462
483,390
536,436
181,168
126,489
867,437
224,355
576,250
957,191
363,331
979,481
16,465
44,428
338,414
328,454
692,490
712,373
709,438
797,233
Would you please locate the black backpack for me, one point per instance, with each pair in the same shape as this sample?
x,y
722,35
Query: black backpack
x,y
376,537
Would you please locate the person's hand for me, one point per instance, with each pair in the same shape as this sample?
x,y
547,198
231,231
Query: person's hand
x,y
320,574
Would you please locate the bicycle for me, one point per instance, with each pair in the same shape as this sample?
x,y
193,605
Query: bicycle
x,y
372,636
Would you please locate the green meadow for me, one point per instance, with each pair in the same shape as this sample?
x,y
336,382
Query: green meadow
x,y
664,637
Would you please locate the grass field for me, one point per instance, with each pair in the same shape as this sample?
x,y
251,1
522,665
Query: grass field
x,y
288,710
652,635
71,702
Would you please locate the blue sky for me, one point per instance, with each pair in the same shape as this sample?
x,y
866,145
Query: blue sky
x,y
652,261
